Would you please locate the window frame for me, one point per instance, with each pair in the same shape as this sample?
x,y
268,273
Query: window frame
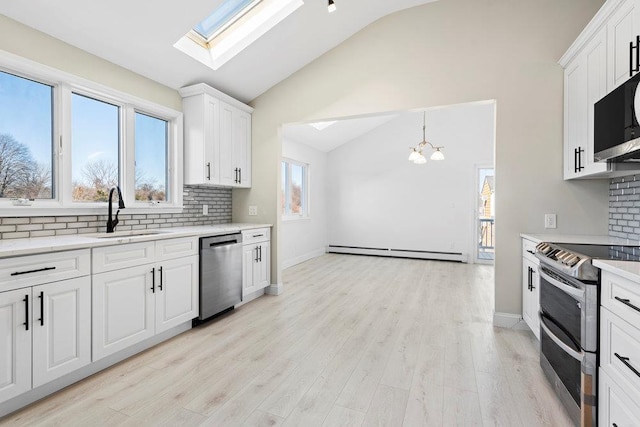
x,y
306,192
64,85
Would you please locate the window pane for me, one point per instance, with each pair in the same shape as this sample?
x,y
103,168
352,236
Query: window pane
x,y
26,138
151,158
227,12
95,130
297,173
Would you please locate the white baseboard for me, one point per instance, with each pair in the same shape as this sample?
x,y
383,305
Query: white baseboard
x,y
400,253
302,258
509,321
275,289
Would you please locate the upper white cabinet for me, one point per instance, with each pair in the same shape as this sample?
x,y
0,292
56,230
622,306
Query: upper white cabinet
x,y
217,138
595,64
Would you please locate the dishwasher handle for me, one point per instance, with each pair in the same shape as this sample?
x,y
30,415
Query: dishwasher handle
x,y
226,239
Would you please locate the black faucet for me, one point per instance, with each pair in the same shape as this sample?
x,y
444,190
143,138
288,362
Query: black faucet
x,y
111,223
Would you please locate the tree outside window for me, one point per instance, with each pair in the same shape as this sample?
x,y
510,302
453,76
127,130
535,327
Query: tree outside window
x,y
294,188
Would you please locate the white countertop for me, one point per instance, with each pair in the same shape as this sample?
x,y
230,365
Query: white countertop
x,y
578,239
37,245
627,269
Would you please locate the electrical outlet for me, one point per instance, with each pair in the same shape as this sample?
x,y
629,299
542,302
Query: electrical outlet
x,y
550,221
205,209
253,210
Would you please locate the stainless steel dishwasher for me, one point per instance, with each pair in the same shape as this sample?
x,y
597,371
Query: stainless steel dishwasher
x,y
220,274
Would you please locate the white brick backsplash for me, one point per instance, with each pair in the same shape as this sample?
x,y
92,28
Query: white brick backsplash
x,y
218,199
624,207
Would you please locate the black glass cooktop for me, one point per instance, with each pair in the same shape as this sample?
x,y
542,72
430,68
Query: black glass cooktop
x,y
612,252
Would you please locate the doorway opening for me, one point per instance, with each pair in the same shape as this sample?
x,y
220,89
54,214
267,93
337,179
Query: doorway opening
x,y
485,224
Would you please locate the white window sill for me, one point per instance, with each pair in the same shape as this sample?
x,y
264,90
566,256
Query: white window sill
x,y
29,211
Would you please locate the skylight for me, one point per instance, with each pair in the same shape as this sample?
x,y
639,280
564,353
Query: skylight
x,y
223,17
232,27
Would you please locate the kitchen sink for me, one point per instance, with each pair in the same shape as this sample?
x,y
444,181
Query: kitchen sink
x,y
123,233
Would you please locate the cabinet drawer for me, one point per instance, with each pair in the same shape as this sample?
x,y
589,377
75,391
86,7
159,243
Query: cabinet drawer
x,y
176,248
122,256
621,296
256,235
31,270
615,406
528,250
620,353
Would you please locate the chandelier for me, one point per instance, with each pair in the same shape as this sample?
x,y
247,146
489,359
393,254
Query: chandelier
x,y
416,155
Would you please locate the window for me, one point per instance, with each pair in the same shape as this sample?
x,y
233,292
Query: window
x,y
26,138
223,17
65,142
151,158
295,189
95,142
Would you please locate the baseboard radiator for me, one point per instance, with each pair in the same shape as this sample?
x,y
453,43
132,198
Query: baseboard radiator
x,y
398,253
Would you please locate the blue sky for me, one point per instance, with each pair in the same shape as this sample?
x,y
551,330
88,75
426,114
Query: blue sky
x,y
25,114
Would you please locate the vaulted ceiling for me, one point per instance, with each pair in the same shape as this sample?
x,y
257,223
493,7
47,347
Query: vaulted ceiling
x,y
139,35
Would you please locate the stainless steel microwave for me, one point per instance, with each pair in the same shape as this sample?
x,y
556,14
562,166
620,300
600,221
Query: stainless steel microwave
x,y
616,130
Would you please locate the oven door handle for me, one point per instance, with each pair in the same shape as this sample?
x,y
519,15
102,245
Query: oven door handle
x,y
577,293
571,352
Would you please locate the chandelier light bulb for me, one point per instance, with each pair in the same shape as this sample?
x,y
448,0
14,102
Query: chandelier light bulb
x,y
332,6
414,155
437,155
420,160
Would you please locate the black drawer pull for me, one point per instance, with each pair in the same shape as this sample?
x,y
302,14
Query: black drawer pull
x,y
258,235
160,278
628,303
153,280
18,273
625,360
531,252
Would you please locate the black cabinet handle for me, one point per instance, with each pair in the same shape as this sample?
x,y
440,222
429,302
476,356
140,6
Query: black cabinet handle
x,y
625,360
18,273
575,160
153,280
256,260
239,175
531,252
41,319
260,252
532,273
209,171
235,177
26,308
634,66
160,278
529,278
628,303
580,151
258,235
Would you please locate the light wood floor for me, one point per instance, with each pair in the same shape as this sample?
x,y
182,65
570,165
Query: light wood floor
x,y
352,341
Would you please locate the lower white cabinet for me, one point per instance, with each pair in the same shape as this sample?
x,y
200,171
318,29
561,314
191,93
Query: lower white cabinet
x,y
47,332
133,304
256,260
530,287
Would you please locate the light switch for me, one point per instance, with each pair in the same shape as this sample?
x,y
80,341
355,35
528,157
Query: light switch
x,y
205,209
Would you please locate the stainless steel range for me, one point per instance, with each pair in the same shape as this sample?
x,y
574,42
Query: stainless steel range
x,y
569,305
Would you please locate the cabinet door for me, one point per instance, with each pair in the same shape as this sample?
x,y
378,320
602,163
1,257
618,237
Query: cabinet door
x,y
200,139
249,256
15,353
596,67
261,270
228,170
575,114
530,295
621,30
123,309
176,292
242,147
61,328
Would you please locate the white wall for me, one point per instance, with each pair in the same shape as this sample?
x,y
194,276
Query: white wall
x,y
303,239
444,53
379,199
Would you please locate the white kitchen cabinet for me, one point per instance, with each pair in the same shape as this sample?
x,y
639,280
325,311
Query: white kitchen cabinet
x,y
585,83
177,295
530,287
46,326
133,304
61,322
15,353
217,143
622,28
595,64
619,351
256,260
